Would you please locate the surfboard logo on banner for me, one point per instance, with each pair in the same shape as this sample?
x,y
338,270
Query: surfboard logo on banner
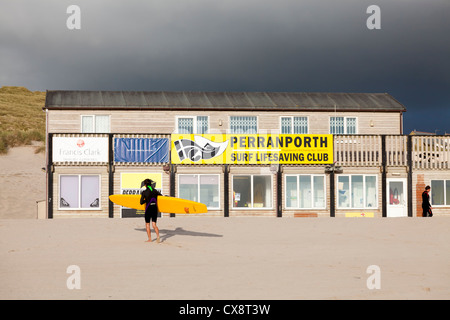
x,y
252,148
199,149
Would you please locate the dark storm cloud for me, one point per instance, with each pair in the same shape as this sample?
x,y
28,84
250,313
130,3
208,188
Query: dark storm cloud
x,y
251,45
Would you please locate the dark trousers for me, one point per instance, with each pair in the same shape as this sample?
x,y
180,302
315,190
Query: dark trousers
x,y
426,212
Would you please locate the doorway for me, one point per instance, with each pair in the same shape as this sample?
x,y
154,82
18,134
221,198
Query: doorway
x,y
397,200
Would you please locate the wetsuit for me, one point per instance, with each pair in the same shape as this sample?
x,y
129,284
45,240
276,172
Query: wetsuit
x,y
149,196
426,205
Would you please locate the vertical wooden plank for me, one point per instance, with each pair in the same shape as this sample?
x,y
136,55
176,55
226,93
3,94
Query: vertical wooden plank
x,y
357,150
352,143
388,150
405,149
364,161
417,152
392,141
422,152
420,155
397,149
337,156
446,143
436,152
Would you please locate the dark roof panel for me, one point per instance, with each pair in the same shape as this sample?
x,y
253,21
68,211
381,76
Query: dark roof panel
x,y
197,99
218,100
302,100
176,99
261,101
362,100
281,99
239,100
155,98
91,98
112,99
71,98
134,99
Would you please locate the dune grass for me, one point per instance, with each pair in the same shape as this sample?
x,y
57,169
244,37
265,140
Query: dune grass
x,y
22,120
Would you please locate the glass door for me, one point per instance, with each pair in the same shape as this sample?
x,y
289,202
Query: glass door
x,y
397,198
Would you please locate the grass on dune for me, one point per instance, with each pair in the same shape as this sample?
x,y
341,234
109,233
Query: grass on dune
x,y
22,120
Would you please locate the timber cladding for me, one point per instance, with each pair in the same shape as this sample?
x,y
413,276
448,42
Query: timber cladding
x,y
269,191
164,122
370,144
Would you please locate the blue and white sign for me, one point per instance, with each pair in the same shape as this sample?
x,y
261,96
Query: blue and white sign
x,y
147,150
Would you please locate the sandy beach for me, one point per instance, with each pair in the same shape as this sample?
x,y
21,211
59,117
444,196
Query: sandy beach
x,y
22,183
211,257
226,258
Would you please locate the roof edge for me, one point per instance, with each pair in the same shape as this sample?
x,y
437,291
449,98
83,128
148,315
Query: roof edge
x,y
286,101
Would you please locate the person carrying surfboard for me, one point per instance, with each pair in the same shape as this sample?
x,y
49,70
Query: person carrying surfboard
x,y
149,196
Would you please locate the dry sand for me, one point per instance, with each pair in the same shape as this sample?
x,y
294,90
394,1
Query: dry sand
x,y
22,183
212,258
226,258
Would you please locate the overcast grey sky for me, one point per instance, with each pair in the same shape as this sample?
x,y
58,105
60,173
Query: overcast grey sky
x,y
235,45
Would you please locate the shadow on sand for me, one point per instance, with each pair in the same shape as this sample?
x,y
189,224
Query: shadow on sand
x,y
166,234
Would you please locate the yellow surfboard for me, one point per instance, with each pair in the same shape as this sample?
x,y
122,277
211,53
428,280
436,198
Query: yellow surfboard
x,y
165,204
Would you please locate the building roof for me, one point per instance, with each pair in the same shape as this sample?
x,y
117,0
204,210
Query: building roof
x,y
233,101
423,133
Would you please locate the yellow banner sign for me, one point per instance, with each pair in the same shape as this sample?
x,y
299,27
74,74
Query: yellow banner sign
x,y
131,182
252,149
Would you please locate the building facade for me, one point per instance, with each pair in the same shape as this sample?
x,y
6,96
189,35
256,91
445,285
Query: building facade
x,y
281,154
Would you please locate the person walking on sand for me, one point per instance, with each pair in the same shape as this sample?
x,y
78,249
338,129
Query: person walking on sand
x,y
426,205
150,197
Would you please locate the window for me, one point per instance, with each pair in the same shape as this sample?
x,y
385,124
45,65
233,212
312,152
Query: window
x,y
440,192
95,124
245,125
305,191
294,125
343,125
357,191
371,191
202,188
252,191
191,125
79,192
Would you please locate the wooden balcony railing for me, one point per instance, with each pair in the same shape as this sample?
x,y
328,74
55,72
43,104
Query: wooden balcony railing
x,y
427,152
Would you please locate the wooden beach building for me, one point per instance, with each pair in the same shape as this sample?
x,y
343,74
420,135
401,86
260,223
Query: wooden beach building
x,y
357,162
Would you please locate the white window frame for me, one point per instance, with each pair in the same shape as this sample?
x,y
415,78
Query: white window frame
x,y
364,207
345,124
252,191
194,123
246,116
312,191
198,186
79,192
94,116
445,205
292,123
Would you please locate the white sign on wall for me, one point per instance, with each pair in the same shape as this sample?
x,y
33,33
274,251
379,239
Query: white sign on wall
x,y
80,149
